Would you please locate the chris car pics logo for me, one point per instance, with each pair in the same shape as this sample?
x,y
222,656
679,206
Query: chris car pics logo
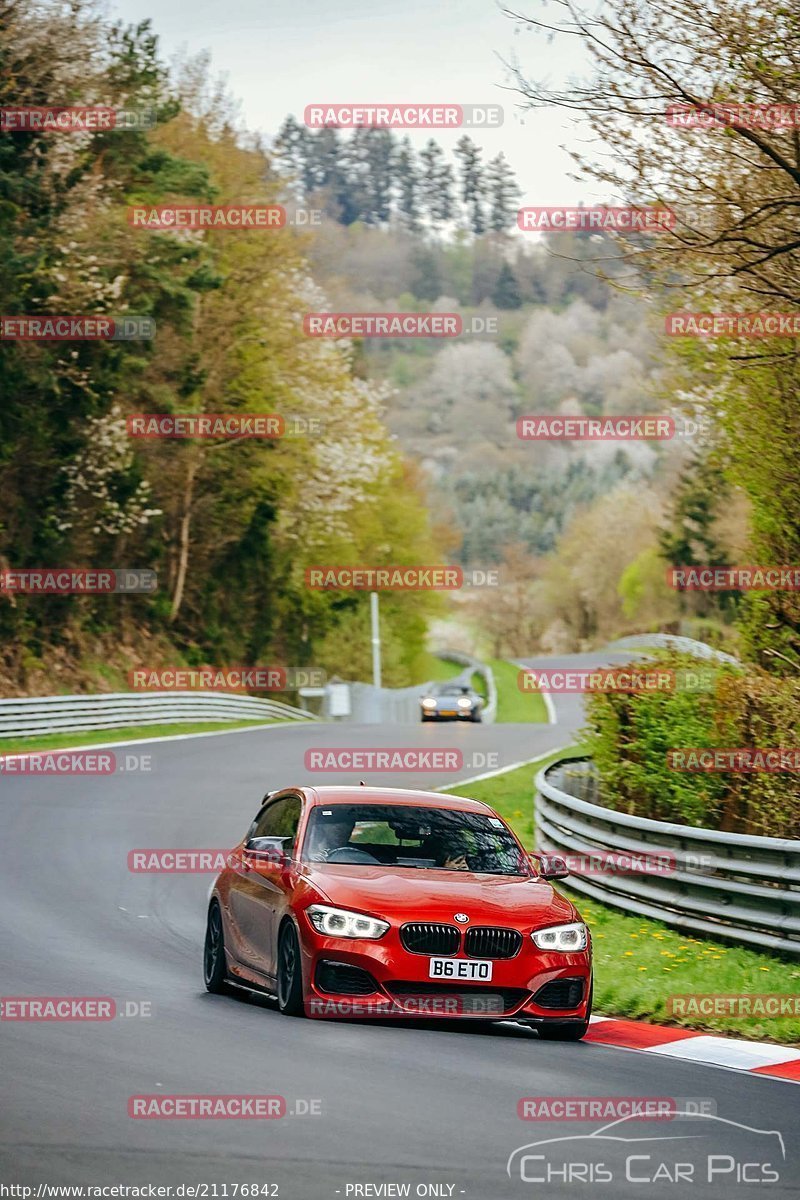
x,y
698,1148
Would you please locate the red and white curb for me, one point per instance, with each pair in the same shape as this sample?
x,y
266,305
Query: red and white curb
x,y
758,1058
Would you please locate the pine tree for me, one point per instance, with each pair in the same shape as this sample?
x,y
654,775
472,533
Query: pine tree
x,y
506,293
407,184
503,192
473,184
436,184
293,152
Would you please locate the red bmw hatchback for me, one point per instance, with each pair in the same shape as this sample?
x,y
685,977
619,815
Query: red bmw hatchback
x,y
380,902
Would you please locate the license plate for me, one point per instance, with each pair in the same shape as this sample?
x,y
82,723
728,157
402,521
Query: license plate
x,y
459,968
447,712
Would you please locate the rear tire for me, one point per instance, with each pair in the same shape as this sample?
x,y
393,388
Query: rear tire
x,y
290,972
214,968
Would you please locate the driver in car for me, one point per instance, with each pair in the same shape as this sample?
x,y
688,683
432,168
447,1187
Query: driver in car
x,y
330,835
445,853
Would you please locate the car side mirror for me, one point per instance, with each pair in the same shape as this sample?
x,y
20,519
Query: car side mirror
x,y
552,866
264,855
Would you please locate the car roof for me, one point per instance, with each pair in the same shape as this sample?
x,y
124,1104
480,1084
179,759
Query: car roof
x,y
351,794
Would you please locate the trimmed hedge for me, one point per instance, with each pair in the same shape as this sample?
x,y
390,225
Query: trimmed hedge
x,y
630,734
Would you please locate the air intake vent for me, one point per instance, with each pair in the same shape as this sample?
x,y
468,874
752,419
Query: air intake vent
x,y
560,993
342,979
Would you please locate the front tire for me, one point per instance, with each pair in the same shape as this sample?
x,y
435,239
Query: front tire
x,y
214,969
290,972
568,1033
563,1033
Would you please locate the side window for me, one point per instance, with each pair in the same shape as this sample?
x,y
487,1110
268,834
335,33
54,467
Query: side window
x,y
278,820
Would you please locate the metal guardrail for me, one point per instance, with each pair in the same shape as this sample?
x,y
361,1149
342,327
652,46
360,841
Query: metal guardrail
x,y
725,885
672,641
400,706
385,706
30,716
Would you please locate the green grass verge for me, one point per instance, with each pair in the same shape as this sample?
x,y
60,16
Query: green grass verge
x,y
429,668
512,704
94,737
640,963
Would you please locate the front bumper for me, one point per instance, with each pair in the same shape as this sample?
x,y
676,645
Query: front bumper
x,y
467,714
398,982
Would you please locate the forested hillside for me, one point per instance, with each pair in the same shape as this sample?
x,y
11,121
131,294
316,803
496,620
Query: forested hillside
x,y
228,526
414,456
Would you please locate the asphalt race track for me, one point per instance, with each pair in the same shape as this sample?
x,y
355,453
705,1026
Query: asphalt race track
x,y
399,1104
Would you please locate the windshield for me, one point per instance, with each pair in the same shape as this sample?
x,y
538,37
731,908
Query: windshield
x,y
414,837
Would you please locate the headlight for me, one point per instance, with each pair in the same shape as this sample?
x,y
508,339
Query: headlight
x,y
429,703
337,922
561,937
464,702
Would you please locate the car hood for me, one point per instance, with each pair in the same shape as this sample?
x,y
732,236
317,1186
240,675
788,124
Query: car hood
x,y
408,894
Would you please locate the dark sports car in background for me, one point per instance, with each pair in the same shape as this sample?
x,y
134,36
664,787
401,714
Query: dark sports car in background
x,y
451,702
384,902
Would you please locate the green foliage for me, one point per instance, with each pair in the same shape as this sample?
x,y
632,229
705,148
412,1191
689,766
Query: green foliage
x,y
629,736
228,526
373,177
633,956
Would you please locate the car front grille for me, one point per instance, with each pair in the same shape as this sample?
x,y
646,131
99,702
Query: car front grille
x,y
511,997
342,979
560,993
424,937
485,941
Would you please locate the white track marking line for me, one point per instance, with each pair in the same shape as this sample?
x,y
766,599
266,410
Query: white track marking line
x,y
170,737
525,762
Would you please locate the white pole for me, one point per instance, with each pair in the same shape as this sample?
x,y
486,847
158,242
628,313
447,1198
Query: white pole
x,y
376,640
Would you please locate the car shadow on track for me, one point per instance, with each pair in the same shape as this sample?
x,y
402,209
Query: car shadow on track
x,y
473,1027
